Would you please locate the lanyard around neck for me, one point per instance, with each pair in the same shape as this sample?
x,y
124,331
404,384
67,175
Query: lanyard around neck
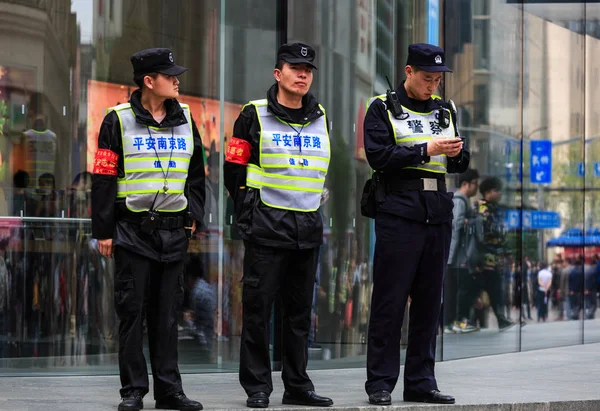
x,y
297,133
165,174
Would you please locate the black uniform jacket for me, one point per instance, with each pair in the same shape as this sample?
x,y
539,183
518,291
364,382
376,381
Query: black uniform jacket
x,y
386,156
164,245
255,221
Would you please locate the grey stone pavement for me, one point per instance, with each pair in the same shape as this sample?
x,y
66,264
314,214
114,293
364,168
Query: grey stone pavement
x,y
556,379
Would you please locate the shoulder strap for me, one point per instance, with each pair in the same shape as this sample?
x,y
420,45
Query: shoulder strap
x,y
464,200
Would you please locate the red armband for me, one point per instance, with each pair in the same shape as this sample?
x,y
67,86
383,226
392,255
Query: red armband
x,y
238,151
106,162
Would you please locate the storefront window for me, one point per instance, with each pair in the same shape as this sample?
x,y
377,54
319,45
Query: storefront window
x,y
524,73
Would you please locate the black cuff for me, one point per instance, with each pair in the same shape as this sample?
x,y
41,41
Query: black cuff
x,y
422,153
458,159
102,233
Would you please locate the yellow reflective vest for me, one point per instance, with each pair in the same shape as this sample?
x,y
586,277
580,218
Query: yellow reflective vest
x,y
293,166
418,128
148,154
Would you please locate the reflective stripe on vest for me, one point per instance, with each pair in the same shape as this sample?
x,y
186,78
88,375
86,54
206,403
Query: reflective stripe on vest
x,y
292,169
144,175
419,128
40,153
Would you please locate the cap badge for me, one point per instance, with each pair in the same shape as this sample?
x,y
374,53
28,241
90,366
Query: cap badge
x,y
304,51
171,57
438,59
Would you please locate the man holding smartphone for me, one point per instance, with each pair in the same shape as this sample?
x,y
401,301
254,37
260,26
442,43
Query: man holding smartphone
x,y
411,142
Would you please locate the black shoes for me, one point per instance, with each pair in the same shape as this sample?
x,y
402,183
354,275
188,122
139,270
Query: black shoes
x,y
380,398
306,398
433,397
132,402
261,399
258,400
504,324
177,402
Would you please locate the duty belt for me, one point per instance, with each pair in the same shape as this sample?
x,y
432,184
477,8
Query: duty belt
x,y
166,221
416,184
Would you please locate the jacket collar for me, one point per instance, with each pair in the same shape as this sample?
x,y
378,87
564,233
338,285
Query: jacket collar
x,y
310,106
175,115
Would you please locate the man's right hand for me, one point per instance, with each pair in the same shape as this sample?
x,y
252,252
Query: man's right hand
x,y
449,146
106,247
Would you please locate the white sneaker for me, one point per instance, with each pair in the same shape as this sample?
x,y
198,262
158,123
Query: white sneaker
x,y
463,327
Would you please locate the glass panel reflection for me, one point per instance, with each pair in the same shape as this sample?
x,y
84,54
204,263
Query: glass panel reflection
x,y
523,74
480,316
553,128
592,175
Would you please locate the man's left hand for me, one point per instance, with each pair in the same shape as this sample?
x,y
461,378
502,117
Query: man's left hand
x,y
454,149
189,231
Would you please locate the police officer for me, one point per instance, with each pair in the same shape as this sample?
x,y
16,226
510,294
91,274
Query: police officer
x,y
147,194
275,170
410,142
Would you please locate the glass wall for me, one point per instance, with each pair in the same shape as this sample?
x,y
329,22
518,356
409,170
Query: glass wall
x,y
484,45
524,85
524,75
591,329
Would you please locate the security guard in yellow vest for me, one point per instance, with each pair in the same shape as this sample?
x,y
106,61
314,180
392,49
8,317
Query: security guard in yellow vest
x,y
410,140
275,170
147,195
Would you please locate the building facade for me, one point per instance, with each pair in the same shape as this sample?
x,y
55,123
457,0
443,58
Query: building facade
x,y
525,83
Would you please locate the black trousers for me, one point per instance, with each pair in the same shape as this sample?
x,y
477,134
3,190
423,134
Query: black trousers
x,y
410,259
151,290
268,271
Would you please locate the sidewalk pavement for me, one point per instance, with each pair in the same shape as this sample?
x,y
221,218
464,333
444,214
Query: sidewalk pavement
x,y
556,379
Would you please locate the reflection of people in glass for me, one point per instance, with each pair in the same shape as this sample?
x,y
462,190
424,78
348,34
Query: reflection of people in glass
x,y
563,290
576,280
4,306
212,191
458,280
47,203
203,302
525,277
492,247
544,282
46,183
317,288
597,262
589,273
521,300
411,147
79,195
82,181
19,197
149,170
275,173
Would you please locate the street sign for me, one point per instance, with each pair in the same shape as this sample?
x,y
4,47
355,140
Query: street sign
x,y
536,220
540,165
541,219
597,169
513,219
581,169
